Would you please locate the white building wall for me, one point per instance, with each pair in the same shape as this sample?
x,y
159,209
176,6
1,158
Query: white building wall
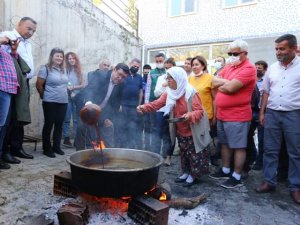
x,y
73,25
212,23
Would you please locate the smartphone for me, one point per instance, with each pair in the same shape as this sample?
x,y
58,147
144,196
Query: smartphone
x,y
12,42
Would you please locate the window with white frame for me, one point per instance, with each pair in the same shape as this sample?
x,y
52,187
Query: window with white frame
x,y
234,3
181,7
208,51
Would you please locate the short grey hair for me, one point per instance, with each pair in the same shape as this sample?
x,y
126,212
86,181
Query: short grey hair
x,y
104,61
243,45
136,60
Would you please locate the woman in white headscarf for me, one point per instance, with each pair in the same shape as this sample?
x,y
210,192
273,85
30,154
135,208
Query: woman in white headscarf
x,y
182,101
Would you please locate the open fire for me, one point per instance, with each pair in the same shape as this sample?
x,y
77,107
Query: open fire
x,y
98,145
111,205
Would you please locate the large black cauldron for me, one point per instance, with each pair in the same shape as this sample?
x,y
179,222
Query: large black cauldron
x,y
126,172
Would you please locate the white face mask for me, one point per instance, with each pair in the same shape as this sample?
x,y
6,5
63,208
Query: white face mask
x,y
233,60
159,65
218,65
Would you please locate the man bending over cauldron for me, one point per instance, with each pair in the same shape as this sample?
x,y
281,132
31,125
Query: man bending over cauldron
x,y
105,91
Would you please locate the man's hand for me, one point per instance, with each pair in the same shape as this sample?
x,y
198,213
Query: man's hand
x,y
218,81
262,119
14,46
107,123
4,40
88,103
213,122
139,109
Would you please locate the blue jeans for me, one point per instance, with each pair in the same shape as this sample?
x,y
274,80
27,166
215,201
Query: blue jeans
x,y
71,112
162,129
146,131
87,134
154,139
277,125
130,127
5,100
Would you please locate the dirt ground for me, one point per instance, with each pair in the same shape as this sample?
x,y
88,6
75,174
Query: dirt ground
x,y
26,190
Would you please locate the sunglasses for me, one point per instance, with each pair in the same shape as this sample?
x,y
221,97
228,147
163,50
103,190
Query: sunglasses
x,y
234,53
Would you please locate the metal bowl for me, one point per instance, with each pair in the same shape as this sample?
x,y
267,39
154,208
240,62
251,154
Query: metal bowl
x,y
115,173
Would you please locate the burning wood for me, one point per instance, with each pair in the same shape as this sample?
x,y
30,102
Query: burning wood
x,y
187,203
111,205
159,193
73,214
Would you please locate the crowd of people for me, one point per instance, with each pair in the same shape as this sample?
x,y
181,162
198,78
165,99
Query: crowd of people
x,y
164,107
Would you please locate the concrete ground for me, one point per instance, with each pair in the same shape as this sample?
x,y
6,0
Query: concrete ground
x,y
26,190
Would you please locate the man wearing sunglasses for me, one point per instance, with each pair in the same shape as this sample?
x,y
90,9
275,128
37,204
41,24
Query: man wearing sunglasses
x,y
235,86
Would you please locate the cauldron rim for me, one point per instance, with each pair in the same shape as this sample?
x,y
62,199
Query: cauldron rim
x,y
159,157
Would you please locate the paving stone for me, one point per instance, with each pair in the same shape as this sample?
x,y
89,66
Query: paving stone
x,y
27,189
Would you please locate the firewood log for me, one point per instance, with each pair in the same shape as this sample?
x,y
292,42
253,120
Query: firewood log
x,y
186,203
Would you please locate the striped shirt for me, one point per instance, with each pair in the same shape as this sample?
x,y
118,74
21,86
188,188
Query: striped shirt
x,y
8,75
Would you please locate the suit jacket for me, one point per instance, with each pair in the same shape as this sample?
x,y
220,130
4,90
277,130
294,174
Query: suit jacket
x,y
96,91
20,109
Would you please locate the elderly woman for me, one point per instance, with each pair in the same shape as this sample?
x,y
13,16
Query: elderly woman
x,y
182,101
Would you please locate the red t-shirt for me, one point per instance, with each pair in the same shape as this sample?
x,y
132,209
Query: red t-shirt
x,y
236,107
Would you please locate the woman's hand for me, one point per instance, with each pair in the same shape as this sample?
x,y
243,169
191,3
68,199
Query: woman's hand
x,y
186,116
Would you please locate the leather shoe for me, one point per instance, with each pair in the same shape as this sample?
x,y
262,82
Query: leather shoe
x,y
58,151
179,180
7,157
265,188
296,196
188,184
4,165
21,154
49,153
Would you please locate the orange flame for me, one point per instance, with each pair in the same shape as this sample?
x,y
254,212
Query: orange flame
x,y
111,205
163,197
98,145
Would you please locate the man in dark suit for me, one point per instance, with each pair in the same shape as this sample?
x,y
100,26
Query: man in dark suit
x,y
104,90
103,66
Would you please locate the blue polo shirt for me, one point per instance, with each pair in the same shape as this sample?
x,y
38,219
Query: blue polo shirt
x,y
132,86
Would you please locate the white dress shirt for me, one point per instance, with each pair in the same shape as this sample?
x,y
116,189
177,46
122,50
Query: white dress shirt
x,y
111,86
159,89
24,49
283,86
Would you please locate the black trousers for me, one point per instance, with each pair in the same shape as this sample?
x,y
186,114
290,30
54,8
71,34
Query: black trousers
x,y
15,133
14,137
54,115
